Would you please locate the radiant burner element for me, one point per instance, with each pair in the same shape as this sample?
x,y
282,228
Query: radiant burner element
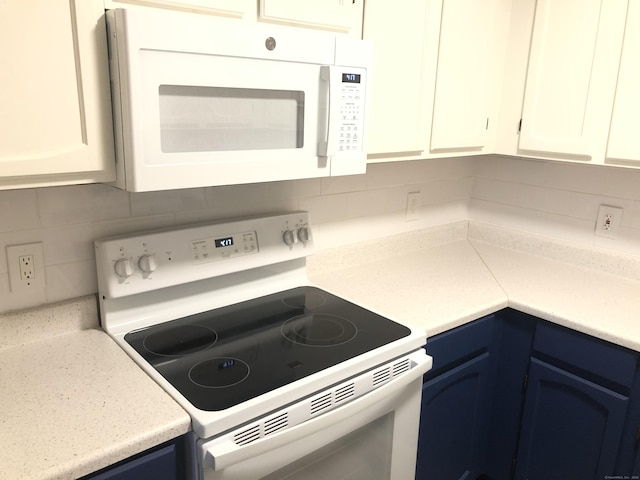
x,y
319,330
219,372
307,300
180,340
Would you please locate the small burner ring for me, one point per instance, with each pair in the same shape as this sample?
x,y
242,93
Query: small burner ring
x,y
319,330
220,372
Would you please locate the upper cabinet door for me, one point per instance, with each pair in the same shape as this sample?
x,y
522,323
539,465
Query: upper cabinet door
x,y
223,8
623,144
467,72
55,126
398,115
570,81
335,15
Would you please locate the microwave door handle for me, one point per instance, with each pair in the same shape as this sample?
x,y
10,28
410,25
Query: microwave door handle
x,y
226,454
329,110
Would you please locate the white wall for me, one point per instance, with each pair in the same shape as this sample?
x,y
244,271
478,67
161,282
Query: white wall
x,y
343,210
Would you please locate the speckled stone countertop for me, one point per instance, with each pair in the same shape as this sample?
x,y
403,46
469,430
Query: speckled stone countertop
x,y
72,400
439,278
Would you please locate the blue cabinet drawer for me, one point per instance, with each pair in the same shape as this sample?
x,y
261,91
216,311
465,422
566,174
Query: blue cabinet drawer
x,y
585,355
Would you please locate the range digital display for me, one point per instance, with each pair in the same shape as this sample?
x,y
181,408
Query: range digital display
x,y
350,78
223,242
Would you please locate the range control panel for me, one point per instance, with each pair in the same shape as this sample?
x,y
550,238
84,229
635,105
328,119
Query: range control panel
x,y
219,248
146,261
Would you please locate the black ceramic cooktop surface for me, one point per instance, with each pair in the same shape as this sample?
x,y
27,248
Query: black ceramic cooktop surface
x,y
220,358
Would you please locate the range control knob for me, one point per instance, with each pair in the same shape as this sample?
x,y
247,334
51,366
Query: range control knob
x,y
289,237
148,263
123,268
303,235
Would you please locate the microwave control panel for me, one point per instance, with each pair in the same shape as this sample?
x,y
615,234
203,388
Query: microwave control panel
x,y
351,121
346,96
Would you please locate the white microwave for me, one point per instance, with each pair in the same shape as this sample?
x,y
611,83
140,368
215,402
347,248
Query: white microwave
x,y
200,101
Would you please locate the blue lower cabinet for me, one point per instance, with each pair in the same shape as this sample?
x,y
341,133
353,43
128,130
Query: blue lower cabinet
x,y
456,403
571,427
165,462
515,397
454,422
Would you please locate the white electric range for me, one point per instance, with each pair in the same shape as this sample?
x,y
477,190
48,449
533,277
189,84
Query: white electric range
x,y
281,379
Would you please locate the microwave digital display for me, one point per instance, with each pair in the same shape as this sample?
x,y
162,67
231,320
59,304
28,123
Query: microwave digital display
x,y
350,78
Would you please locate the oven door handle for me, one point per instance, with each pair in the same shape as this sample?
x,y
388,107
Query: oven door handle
x,y
224,455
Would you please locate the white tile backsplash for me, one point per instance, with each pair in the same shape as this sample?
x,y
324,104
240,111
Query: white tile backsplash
x,y
81,203
152,203
575,177
556,199
553,199
18,211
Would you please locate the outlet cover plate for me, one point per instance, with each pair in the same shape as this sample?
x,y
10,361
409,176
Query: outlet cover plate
x,y
413,206
30,289
609,221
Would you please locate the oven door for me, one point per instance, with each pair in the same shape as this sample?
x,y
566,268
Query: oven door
x,y
374,437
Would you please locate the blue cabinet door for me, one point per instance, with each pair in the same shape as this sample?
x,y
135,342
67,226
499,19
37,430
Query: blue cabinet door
x,y
157,465
454,422
571,427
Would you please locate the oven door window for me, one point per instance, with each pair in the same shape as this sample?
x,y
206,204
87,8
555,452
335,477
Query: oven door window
x,y
362,455
221,119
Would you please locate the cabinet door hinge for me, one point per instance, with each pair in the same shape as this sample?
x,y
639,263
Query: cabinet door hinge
x,y
525,382
520,126
487,126
513,467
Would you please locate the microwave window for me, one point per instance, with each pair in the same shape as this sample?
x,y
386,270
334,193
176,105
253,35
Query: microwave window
x,y
206,119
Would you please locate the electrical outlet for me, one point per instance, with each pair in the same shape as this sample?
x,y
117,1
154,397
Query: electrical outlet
x,y
27,275
609,221
26,271
413,203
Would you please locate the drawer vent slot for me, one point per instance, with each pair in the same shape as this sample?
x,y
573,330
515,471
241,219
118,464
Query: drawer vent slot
x,y
401,367
345,392
247,436
321,403
276,423
381,376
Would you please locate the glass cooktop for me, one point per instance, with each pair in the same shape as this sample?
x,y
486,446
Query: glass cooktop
x,y
223,357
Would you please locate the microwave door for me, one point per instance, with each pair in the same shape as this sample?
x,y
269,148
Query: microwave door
x,y
204,120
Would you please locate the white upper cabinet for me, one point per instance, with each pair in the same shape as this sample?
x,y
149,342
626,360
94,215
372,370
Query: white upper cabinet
x,y
343,16
436,76
570,80
340,16
55,125
223,8
624,146
398,113
469,60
